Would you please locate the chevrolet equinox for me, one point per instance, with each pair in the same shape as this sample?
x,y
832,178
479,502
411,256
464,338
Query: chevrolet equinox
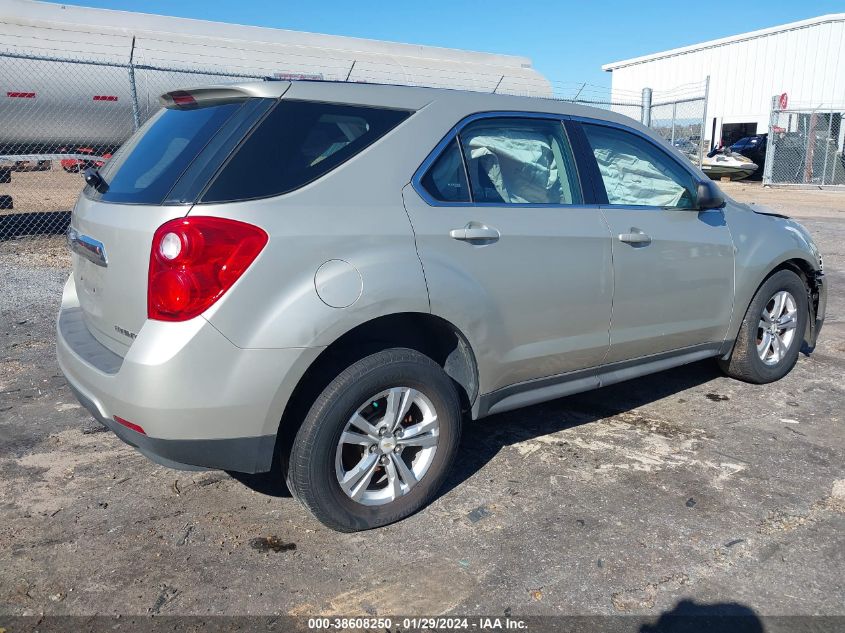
x,y
320,280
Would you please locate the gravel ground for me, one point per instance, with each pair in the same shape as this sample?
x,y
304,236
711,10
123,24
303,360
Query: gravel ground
x,y
680,486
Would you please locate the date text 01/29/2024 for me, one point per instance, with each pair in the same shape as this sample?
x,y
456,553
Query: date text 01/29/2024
x,y
419,623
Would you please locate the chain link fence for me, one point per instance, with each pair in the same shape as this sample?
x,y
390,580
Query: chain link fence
x,y
805,146
631,109
83,109
682,124
82,112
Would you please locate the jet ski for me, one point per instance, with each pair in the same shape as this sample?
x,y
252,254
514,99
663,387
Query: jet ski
x,y
723,163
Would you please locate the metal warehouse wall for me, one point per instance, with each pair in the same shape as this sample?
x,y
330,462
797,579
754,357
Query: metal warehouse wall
x,y
804,59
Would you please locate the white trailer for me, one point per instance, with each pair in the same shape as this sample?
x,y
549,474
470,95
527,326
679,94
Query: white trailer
x,y
126,60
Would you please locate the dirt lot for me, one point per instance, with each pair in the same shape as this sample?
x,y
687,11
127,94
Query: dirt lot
x,y
681,486
51,190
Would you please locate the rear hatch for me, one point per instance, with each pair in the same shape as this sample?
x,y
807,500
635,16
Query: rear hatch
x,y
155,177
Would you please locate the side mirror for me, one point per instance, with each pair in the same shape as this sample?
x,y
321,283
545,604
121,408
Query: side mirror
x,y
709,196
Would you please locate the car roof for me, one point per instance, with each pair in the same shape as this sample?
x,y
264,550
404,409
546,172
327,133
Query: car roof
x,y
417,98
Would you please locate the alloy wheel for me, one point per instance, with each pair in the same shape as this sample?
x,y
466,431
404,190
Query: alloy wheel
x,y
387,446
776,330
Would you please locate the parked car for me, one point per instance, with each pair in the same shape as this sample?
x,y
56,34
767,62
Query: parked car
x,y
321,280
754,148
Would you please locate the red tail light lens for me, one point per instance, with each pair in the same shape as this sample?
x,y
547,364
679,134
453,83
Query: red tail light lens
x,y
194,261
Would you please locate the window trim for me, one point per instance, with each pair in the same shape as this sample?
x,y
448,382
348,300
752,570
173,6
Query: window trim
x,y
454,134
586,154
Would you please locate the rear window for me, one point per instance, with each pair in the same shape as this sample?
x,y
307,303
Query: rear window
x,y
148,165
296,143
252,148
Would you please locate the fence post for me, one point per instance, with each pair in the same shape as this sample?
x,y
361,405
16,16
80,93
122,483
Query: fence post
x,y
768,166
704,123
827,146
646,114
136,111
674,116
810,151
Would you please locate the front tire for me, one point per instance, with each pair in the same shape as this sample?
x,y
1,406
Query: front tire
x,y
769,339
378,442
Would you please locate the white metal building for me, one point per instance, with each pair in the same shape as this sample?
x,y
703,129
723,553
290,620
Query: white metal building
x,y
804,60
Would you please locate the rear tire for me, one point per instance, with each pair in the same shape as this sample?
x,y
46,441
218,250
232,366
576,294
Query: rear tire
x,y
395,418
771,333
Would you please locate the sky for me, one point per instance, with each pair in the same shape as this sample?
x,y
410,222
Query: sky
x,y
567,41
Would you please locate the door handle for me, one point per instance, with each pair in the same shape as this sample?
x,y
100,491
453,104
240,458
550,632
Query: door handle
x,y
636,237
475,232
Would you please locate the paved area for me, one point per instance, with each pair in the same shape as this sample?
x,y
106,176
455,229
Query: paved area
x,y
681,486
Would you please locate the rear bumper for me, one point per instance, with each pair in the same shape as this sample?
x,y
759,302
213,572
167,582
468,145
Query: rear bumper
x,y
201,401
241,454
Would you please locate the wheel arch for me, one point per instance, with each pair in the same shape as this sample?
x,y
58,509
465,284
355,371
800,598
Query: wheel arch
x,y
428,334
808,273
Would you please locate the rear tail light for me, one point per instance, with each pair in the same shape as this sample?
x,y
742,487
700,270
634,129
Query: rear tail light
x,y
194,261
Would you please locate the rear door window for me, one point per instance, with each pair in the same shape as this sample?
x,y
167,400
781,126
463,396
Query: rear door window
x,y
519,161
446,180
296,143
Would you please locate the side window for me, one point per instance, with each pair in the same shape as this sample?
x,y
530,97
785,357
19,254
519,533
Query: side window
x,y
637,172
446,180
519,161
296,143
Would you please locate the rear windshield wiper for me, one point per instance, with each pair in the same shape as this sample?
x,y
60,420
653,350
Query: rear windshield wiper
x,y
94,179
